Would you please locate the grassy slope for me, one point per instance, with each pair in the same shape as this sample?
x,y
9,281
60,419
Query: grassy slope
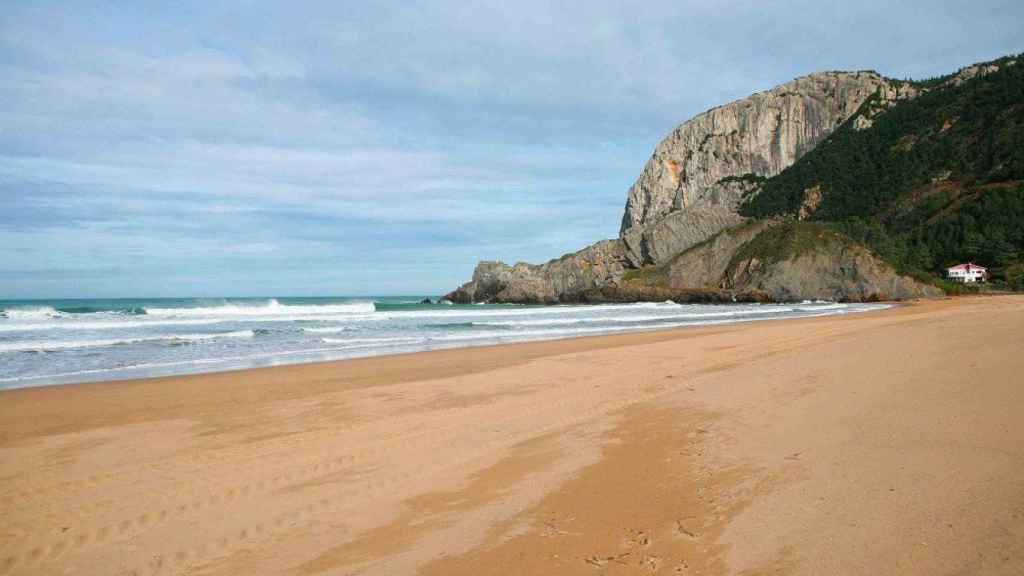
x,y
788,241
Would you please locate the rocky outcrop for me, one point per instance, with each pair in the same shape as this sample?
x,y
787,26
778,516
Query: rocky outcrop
x,y
760,135
628,292
894,92
707,264
975,70
769,261
715,209
599,265
810,203
852,275
888,95
794,262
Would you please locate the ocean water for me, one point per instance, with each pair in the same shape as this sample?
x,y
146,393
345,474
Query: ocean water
x,y
64,341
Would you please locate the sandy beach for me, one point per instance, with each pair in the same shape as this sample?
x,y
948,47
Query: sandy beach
x,y
878,443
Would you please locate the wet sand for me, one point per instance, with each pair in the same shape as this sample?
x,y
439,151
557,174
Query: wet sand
x,y
880,443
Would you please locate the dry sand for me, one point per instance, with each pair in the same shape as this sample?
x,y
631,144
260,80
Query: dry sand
x,y
881,443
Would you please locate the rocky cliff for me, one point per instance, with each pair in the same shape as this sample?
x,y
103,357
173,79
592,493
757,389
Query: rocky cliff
x,y
761,134
690,191
693,184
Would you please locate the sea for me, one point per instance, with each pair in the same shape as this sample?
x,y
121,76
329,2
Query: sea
x,y
45,342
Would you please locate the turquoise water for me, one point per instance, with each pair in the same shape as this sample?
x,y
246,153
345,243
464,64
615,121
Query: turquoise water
x,y
46,342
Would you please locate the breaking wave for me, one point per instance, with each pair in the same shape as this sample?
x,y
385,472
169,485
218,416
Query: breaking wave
x,y
270,308
32,313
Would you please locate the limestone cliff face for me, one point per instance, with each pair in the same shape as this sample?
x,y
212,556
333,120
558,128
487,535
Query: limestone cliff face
x,y
760,135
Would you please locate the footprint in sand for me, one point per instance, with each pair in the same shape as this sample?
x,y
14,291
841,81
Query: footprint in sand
x,y
682,529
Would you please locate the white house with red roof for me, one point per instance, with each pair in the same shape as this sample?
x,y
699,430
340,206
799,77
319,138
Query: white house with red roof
x,y
967,273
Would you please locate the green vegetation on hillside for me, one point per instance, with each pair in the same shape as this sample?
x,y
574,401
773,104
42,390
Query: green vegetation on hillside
x,y
789,240
935,180
647,276
988,229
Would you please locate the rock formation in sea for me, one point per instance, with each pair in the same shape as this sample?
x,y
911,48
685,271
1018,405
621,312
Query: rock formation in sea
x,y
601,264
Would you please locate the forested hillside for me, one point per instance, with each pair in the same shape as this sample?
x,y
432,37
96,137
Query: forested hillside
x,y
934,180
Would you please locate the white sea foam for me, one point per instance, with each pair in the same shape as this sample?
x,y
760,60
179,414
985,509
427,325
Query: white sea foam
x,y
330,329
372,341
271,308
541,311
634,319
53,345
539,333
116,322
822,306
225,361
33,313
562,333
525,335
70,323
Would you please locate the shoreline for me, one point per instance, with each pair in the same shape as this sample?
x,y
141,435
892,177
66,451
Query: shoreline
x,y
58,381
833,444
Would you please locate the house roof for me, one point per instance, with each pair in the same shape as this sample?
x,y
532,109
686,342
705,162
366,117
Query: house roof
x,y
967,267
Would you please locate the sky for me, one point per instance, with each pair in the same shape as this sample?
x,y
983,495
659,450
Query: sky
x,y
358,148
